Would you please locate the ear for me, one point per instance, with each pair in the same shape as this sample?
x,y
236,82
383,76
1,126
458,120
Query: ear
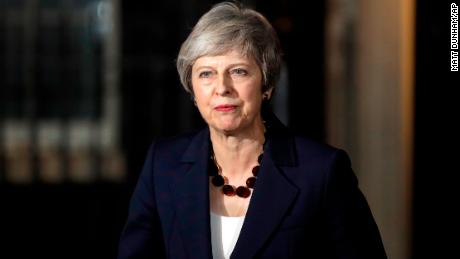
x,y
267,95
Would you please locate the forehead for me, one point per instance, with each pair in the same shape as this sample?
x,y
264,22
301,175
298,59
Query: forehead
x,y
229,58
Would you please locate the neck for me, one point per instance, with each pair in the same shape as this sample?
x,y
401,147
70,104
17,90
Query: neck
x,y
238,153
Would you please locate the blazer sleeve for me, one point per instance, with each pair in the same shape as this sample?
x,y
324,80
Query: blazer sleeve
x,y
142,235
353,231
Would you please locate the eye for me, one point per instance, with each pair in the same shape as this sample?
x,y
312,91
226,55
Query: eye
x,y
205,74
239,71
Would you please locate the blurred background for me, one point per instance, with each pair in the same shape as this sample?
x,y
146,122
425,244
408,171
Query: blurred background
x,y
87,85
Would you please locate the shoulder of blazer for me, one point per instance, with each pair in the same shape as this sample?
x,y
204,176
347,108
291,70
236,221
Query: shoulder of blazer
x,y
303,158
178,141
292,149
289,149
309,148
174,147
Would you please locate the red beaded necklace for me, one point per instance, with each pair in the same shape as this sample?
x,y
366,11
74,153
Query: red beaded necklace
x,y
230,190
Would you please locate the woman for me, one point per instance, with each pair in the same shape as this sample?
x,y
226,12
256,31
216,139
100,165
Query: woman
x,y
244,186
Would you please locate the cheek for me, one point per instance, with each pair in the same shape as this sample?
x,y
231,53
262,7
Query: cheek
x,y
201,99
199,103
253,91
254,98
201,91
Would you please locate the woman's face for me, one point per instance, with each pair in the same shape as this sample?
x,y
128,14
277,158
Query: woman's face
x,y
228,91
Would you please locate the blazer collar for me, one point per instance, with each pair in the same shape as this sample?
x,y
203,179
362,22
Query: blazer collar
x,y
272,196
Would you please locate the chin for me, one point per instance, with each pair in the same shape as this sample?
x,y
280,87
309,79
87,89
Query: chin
x,y
227,127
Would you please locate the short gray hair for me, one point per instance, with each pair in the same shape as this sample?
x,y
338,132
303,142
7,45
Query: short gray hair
x,y
228,26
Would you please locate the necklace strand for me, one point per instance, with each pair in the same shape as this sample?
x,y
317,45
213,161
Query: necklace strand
x,y
230,190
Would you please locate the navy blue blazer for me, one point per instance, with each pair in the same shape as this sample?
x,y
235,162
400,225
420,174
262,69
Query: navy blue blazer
x,y
305,204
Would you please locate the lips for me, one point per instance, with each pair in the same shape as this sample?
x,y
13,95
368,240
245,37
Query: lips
x,y
225,108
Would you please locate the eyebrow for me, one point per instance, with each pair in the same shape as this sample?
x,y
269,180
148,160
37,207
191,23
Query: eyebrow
x,y
231,65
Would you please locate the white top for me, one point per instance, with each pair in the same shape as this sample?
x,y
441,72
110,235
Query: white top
x,y
224,234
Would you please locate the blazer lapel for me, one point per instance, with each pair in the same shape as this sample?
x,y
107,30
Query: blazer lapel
x,y
191,192
271,199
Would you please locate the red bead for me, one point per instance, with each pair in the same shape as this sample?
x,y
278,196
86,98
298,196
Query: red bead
x,y
259,159
250,182
218,180
243,192
255,170
228,190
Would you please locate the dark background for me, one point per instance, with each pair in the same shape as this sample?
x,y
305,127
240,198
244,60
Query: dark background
x,y
436,192
85,220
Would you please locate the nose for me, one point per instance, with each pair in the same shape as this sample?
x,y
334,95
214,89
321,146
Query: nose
x,y
224,85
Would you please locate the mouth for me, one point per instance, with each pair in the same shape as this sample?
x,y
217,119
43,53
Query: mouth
x,y
225,108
